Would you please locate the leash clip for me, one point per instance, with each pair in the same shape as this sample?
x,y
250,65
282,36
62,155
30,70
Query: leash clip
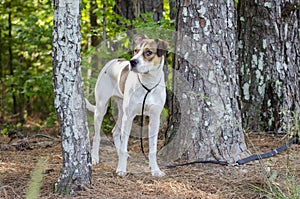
x,y
233,164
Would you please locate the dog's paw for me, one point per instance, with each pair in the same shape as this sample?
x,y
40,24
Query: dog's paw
x,y
158,173
121,173
95,161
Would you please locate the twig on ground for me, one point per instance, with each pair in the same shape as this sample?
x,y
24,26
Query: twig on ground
x,y
42,135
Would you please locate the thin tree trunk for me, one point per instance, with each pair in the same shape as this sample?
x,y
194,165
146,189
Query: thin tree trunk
x,y
269,44
206,84
93,72
126,8
93,23
104,37
155,6
10,57
134,8
173,10
1,82
69,100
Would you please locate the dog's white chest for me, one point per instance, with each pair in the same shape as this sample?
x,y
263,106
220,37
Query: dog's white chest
x,y
135,94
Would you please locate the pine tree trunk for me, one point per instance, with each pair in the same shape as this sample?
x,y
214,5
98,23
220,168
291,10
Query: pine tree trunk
x,y
10,58
93,22
172,4
206,84
269,62
93,72
134,8
155,6
126,8
69,100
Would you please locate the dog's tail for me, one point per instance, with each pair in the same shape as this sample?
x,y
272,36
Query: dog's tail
x,y
90,106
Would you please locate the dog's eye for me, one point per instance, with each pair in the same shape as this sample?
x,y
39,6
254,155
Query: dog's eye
x,y
136,51
148,53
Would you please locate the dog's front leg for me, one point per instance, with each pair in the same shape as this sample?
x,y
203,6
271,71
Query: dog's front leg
x,y
122,153
153,135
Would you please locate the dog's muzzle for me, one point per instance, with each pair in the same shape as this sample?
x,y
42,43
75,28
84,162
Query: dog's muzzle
x,y
134,68
133,63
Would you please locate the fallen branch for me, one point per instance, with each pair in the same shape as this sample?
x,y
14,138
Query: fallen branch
x,y
42,135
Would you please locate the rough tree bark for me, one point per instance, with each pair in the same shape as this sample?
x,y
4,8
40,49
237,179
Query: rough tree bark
x,y
206,84
69,100
269,49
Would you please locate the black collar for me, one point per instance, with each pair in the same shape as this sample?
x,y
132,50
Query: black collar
x,y
145,87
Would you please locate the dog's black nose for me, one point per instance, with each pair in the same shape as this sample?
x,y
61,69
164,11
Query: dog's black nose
x,y
133,63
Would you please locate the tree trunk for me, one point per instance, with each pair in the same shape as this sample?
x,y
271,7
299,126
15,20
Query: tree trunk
x,y
126,8
206,84
173,10
133,8
93,22
93,72
69,100
155,6
269,62
10,58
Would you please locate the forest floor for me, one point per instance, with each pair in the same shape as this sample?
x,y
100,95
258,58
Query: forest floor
x,y
19,157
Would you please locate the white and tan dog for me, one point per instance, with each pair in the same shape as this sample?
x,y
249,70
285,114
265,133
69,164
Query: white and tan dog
x,y
129,82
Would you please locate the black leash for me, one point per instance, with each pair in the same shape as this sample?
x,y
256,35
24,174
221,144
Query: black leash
x,y
294,140
142,117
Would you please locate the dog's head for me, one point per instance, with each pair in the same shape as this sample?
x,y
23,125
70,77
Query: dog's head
x,y
148,54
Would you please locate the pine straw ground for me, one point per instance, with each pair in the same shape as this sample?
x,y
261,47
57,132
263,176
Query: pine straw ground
x,y
196,181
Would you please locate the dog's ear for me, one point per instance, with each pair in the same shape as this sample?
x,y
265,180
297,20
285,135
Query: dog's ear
x,y
139,38
162,47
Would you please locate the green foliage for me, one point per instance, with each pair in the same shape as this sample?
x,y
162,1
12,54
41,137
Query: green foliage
x,y
6,128
51,120
236,2
29,78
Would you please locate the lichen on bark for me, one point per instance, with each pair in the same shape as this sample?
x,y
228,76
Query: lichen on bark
x,y
269,64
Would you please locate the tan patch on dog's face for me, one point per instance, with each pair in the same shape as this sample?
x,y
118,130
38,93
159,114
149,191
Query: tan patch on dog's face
x,y
148,54
149,47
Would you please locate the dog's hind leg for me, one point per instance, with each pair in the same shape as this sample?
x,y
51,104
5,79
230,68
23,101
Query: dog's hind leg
x,y
117,129
98,118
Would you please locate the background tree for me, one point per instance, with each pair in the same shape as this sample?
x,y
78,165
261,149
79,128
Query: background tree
x,y
130,9
208,93
173,9
69,99
269,44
